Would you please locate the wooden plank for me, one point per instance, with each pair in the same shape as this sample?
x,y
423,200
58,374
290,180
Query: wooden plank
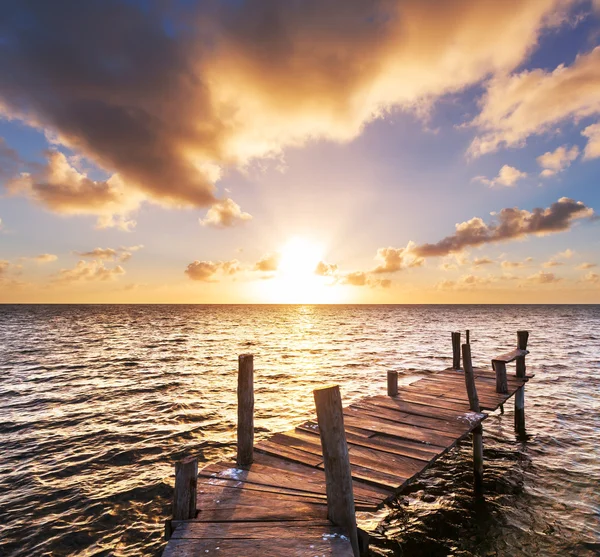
x,y
399,430
288,453
394,403
251,530
453,427
511,356
326,544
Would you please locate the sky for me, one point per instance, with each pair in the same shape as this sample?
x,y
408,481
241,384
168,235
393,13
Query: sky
x,y
315,151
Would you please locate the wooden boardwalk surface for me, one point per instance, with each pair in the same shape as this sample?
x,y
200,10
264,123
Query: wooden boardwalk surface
x,y
278,507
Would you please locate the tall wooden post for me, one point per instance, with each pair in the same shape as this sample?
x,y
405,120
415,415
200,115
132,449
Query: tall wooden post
x,y
522,338
392,383
184,497
338,476
456,350
245,425
467,336
475,407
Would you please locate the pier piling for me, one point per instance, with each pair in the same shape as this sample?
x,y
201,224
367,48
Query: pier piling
x,y
245,394
501,378
336,462
184,497
467,336
392,383
475,407
456,350
522,338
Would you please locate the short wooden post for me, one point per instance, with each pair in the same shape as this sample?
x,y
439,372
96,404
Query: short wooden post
x,y
467,336
522,338
245,394
338,476
501,379
456,350
392,383
475,407
184,497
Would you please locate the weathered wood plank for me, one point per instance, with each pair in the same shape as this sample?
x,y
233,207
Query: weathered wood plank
x,y
511,356
251,530
272,447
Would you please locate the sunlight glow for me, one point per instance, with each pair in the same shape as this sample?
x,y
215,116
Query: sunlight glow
x,y
295,281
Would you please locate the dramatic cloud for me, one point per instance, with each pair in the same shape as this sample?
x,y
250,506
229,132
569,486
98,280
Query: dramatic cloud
x,y
224,214
325,269
268,262
61,188
517,106
396,259
592,149
509,224
89,271
556,161
163,96
585,266
508,176
207,271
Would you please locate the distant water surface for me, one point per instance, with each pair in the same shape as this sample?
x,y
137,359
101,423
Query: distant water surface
x,y
97,402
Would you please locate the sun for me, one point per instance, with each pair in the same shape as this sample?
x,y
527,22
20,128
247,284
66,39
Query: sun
x,y
295,281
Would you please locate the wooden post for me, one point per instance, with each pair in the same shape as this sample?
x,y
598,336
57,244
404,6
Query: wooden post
x,y
392,383
184,497
467,336
470,378
456,350
522,338
501,379
338,476
245,426
474,405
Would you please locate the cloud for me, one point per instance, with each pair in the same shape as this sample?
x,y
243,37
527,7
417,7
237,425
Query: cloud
x,y
479,261
558,160
225,214
325,269
268,262
151,93
555,260
396,259
508,176
9,160
585,266
63,189
206,271
592,278
44,258
509,224
516,264
357,278
4,266
532,102
466,282
592,149
543,278
121,254
89,271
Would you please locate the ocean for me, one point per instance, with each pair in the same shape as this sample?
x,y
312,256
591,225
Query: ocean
x,y
97,402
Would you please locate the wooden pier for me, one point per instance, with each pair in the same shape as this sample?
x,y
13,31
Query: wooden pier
x,y
296,493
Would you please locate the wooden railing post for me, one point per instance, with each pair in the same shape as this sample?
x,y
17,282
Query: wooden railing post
x,y
392,383
184,497
501,378
338,476
467,336
456,350
522,338
475,407
245,425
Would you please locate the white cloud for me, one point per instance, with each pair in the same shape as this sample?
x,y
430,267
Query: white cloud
x,y
224,214
508,176
558,160
592,149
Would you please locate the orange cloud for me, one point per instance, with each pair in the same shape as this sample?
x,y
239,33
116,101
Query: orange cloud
x,y
508,176
558,160
89,271
207,271
325,269
225,214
